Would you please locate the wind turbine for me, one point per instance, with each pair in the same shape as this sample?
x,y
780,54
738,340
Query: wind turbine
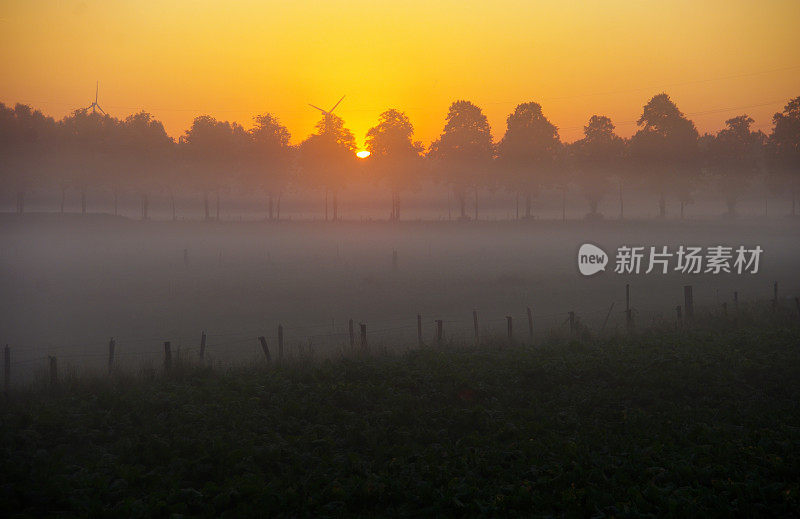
x,y
326,112
94,106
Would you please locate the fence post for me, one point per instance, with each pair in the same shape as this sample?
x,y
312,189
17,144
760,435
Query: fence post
x,y
628,312
572,322
419,329
530,323
6,368
280,343
510,329
475,324
688,302
363,336
111,345
53,371
167,356
264,347
203,345
438,331
352,334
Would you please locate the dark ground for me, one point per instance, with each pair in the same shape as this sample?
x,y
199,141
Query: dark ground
x,y
677,423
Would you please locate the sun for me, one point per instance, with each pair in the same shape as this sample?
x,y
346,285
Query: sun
x,y
363,154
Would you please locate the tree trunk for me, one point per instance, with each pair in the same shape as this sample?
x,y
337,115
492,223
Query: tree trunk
x,y
145,206
278,208
794,201
217,205
621,203
270,208
205,205
326,205
116,204
682,205
517,205
335,206
462,204
476,204
395,215
172,200
662,205
528,198
564,204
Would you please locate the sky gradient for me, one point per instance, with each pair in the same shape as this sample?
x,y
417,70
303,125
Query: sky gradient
x,y
716,59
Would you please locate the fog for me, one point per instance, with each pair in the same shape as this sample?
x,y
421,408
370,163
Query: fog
x,y
72,282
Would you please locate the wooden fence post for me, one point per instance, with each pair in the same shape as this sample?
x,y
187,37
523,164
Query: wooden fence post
x,y
475,324
203,345
438,331
419,330
280,343
264,347
352,334
363,336
572,322
688,302
6,368
530,323
53,371
167,356
510,328
111,345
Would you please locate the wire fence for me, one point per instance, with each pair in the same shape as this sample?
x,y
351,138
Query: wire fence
x,y
227,348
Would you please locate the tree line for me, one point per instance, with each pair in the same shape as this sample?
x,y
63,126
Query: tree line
x,y
666,156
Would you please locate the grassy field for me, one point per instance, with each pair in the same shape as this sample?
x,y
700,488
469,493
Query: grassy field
x,y
668,422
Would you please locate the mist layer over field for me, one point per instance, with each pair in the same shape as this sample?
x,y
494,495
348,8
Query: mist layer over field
x,y
70,284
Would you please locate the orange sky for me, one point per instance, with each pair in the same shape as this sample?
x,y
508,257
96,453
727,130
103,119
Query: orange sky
x,y
716,59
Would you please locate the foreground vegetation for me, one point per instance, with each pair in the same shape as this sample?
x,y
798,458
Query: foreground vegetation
x,y
669,422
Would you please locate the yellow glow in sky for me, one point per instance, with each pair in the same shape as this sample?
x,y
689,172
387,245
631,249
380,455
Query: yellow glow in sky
x,y
232,60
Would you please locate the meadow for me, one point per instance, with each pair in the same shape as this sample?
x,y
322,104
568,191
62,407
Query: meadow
x,y
70,283
695,421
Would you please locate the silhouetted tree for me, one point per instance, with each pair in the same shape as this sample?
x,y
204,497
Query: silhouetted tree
x,y
212,152
597,157
327,158
735,156
665,149
27,150
528,152
270,159
464,151
783,149
91,142
146,159
394,155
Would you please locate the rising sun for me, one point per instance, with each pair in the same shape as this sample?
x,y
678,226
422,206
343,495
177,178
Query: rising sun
x,y
363,154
